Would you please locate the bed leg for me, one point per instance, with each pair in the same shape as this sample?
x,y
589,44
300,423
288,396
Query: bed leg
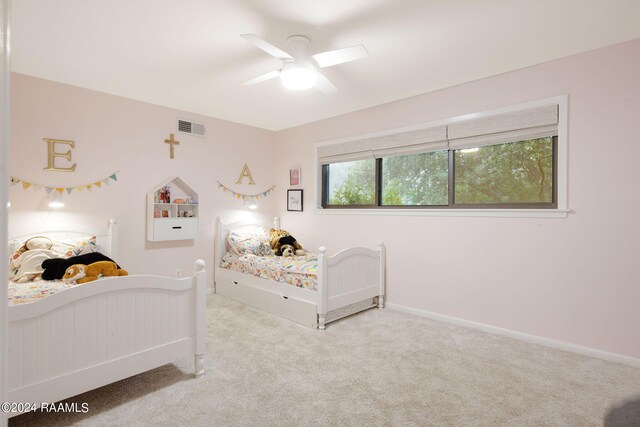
x,y
199,364
321,322
380,301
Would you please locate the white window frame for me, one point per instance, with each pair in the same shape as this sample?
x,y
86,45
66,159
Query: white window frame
x,y
561,211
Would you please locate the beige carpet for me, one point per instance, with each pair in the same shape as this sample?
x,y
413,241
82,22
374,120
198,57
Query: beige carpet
x,y
379,367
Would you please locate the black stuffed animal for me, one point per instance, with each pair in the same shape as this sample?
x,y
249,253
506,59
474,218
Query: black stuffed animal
x,y
289,246
54,268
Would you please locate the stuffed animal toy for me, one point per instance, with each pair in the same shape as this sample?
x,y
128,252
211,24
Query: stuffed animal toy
x,y
80,273
39,242
276,233
55,268
284,244
26,263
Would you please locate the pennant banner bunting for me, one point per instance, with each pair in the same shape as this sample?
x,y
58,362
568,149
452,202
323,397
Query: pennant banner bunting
x,y
246,196
26,185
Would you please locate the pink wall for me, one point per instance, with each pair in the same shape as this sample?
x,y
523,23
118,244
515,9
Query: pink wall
x,y
573,280
113,133
566,279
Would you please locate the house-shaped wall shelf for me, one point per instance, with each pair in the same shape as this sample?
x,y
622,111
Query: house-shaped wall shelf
x,y
172,211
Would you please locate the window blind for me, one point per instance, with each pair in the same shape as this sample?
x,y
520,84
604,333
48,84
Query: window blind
x,y
412,142
509,127
397,144
345,152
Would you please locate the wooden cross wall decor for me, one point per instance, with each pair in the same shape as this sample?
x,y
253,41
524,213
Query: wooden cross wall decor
x,y
171,142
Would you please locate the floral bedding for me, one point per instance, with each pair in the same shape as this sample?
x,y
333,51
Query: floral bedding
x,y
24,293
299,271
33,290
249,243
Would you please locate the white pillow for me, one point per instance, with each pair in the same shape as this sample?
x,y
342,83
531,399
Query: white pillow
x,y
242,242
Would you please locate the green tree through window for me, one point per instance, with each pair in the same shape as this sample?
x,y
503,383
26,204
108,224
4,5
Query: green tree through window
x,y
352,183
519,172
516,173
414,180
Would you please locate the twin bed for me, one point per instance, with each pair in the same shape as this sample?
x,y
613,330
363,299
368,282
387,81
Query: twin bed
x,y
83,337
65,340
313,290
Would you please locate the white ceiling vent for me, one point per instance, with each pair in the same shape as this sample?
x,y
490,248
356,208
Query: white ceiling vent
x,y
191,128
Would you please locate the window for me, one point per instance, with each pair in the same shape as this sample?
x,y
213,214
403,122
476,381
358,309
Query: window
x,y
513,173
350,183
416,180
507,161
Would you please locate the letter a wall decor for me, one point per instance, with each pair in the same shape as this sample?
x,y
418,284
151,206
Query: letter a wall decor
x,y
245,174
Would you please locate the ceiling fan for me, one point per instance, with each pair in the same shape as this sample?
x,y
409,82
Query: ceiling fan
x,y
299,70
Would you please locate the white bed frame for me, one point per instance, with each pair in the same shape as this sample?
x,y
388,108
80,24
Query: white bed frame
x,y
100,332
348,282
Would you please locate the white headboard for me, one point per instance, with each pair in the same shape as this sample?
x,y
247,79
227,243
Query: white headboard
x,y
222,229
106,237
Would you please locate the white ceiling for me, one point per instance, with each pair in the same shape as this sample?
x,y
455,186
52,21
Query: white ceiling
x,y
188,54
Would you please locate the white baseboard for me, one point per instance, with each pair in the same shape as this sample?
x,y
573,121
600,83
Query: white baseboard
x,y
560,345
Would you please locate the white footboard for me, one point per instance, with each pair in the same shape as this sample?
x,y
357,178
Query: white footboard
x,y
100,332
348,282
351,278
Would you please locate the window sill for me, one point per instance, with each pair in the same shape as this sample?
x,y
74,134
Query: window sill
x,y
491,213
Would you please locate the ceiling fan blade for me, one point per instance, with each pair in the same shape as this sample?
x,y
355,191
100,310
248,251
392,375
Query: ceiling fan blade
x,y
268,76
324,85
340,56
266,46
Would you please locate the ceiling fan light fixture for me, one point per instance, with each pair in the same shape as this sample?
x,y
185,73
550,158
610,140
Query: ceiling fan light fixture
x,y
298,72
298,78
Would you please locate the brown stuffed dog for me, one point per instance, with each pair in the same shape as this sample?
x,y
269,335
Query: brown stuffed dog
x,y
274,237
80,273
284,244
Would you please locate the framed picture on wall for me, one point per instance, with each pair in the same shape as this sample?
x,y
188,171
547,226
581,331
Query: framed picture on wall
x,y
295,177
294,200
